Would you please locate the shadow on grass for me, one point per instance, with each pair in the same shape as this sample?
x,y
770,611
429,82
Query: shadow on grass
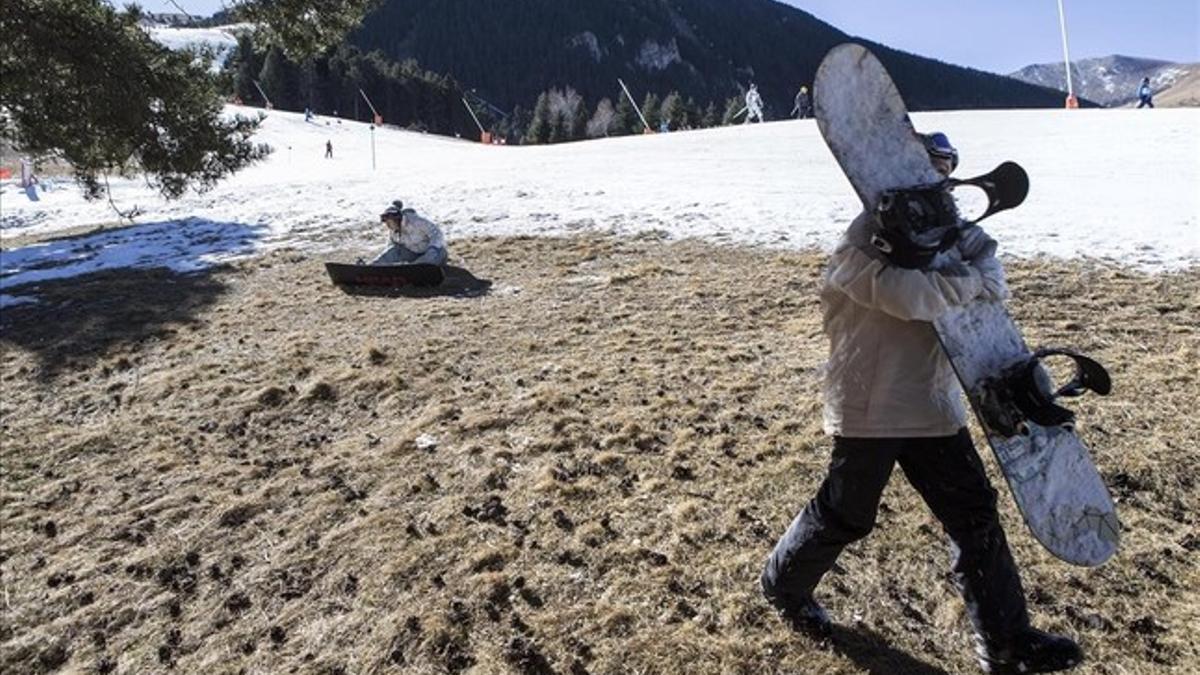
x,y
79,320
459,283
871,652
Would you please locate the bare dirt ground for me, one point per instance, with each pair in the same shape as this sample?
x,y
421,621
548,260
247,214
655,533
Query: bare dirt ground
x,y
581,470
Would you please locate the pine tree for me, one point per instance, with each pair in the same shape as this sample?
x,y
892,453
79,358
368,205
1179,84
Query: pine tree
x,y
160,117
650,110
302,27
579,123
602,120
710,119
540,125
673,112
691,114
558,128
732,106
278,79
85,83
626,121
246,64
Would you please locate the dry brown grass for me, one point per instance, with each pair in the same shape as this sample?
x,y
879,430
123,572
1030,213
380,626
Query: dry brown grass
x,y
581,471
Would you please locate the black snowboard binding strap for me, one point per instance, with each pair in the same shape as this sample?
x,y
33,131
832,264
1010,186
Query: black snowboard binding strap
x,y
1006,187
1023,393
916,224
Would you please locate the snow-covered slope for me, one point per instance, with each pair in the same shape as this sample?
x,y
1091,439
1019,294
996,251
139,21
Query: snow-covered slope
x,y
222,40
1114,184
1111,80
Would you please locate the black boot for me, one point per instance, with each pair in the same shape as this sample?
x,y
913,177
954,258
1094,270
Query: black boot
x,y
807,617
1030,651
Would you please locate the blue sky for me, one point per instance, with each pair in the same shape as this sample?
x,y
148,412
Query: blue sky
x,y
996,35
1005,35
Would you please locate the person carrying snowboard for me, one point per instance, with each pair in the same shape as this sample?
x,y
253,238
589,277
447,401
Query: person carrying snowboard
x,y
803,107
891,398
754,105
1145,94
413,239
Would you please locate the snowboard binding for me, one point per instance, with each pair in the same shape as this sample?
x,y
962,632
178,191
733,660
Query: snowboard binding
x,y
916,224
1024,393
1006,187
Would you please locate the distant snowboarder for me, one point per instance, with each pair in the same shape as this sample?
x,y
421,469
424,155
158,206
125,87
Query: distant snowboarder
x,y
803,108
1145,94
328,149
413,239
754,105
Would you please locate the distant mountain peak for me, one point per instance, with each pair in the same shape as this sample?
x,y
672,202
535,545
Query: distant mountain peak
x,y
1109,80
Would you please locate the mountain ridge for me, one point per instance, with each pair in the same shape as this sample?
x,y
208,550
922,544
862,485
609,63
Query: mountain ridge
x,y
709,50
1109,80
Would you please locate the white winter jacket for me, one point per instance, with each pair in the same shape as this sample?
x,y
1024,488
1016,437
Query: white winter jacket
x,y
417,234
887,376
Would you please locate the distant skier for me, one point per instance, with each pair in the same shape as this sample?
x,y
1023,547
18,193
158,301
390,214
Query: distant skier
x,y
328,149
412,238
803,108
1145,94
891,398
754,105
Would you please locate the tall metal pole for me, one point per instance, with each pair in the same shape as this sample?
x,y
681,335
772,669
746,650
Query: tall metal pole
x,y
1062,21
473,116
372,147
263,93
374,113
636,109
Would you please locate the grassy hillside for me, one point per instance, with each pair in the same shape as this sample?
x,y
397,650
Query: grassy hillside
x,y
580,471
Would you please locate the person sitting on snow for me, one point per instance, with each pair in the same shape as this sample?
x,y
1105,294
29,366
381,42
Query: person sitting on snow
x,y
414,240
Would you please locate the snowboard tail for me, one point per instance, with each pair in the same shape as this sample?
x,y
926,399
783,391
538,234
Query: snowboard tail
x,y
1048,468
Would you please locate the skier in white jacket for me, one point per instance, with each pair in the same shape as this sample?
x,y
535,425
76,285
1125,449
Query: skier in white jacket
x,y
754,105
413,239
891,398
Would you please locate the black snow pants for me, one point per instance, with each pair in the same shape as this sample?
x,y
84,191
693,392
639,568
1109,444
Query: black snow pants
x,y
949,475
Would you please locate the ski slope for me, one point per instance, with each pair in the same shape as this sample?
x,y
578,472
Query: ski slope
x,y
221,41
1118,185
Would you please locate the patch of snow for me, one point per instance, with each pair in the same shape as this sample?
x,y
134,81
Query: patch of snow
x,y
588,41
1106,184
7,301
654,56
222,41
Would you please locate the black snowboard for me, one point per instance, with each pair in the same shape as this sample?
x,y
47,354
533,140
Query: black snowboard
x,y
385,276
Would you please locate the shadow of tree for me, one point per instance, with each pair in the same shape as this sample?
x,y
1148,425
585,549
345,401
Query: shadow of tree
x,y
81,319
459,283
871,652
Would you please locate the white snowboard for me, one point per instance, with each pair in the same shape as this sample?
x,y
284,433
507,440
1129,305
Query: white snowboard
x,y
1048,469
